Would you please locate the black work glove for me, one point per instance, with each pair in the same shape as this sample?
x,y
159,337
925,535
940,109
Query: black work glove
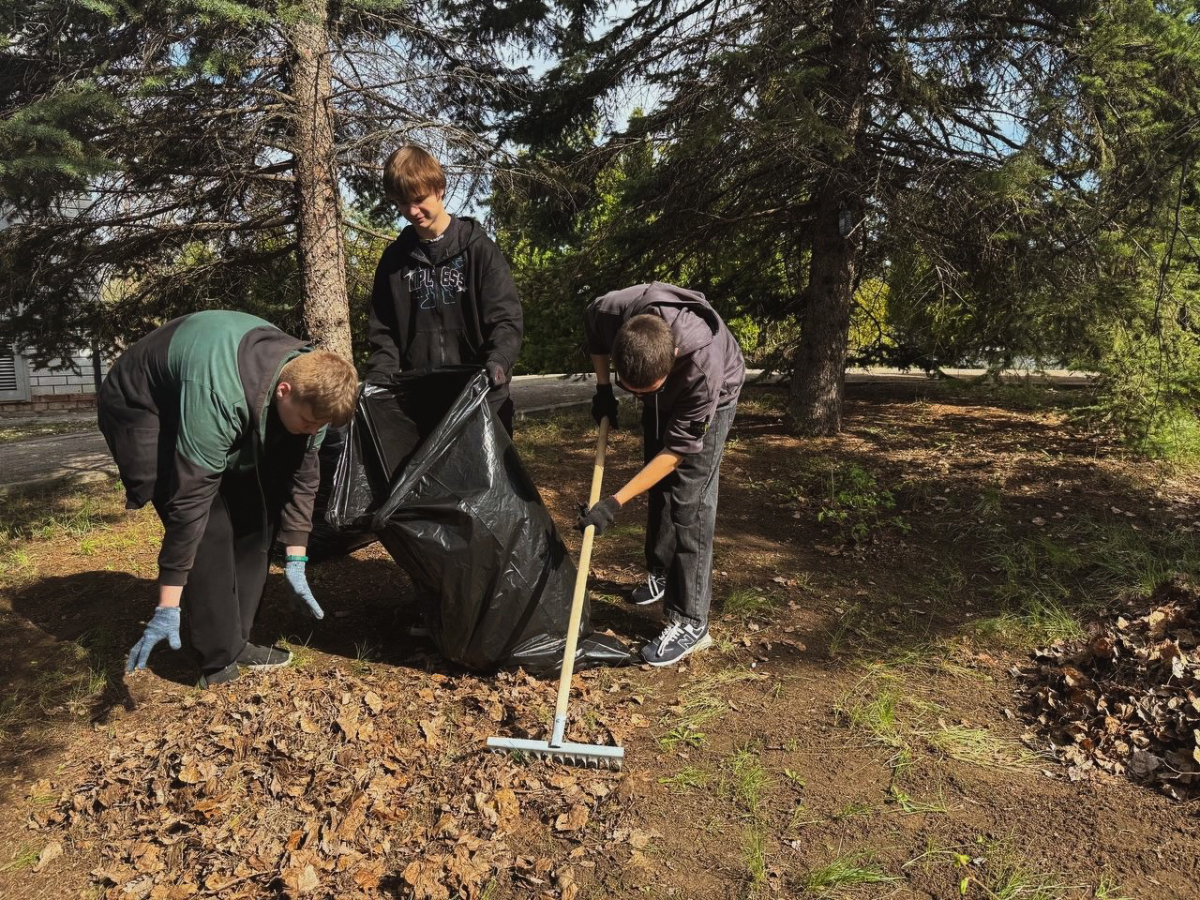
x,y
601,515
496,373
604,404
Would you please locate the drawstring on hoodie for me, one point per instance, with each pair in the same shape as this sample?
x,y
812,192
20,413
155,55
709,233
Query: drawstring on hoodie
x,y
656,429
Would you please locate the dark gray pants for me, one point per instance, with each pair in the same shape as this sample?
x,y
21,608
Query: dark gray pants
x,y
225,586
682,517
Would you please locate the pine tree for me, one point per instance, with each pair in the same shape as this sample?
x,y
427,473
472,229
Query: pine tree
x,y
159,157
947,137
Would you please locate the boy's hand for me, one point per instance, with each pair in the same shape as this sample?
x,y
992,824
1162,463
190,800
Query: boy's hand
x,y
302,594
496,373
604,405
164,626
601,515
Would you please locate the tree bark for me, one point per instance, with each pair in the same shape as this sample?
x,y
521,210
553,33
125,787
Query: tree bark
x,y
818,382
318,212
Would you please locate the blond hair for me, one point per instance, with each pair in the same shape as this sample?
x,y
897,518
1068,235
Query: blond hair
x,y
325,382
411,172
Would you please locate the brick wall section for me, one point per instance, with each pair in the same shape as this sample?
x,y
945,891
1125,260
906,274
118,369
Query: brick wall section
x,y
65,382
48,404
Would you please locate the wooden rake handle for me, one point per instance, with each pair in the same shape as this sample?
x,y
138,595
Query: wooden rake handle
x,y
581,577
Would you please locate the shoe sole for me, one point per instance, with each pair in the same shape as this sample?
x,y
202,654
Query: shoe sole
x,y
704,643
633,602
260,667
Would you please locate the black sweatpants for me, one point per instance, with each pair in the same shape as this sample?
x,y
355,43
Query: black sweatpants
x,y
682,518
225,586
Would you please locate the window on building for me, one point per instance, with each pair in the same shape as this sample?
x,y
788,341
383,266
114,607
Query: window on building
x,y
14,377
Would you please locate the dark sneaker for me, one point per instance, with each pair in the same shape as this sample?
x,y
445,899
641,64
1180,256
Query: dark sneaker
x,y
229,673
650,592
676,642
255,657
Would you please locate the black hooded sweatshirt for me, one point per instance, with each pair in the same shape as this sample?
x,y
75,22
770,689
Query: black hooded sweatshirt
x,y
447,302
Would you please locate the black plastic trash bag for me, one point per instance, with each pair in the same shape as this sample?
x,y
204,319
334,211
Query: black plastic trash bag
x,y
428,469
325,541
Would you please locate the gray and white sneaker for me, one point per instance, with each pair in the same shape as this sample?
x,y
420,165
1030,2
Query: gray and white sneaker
x,y
676,642
650,592
254,656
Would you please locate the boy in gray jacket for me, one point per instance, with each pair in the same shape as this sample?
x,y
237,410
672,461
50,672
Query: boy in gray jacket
x,y
669,347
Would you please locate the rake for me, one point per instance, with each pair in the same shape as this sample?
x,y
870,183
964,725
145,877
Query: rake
x,y
557,749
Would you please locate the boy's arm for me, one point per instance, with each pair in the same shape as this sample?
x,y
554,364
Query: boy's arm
x,y
207,429
503,323
382,329
601,365
295,519
651,474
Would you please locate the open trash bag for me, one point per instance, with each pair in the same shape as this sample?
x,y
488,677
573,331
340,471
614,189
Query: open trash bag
x,y
427,469
325,541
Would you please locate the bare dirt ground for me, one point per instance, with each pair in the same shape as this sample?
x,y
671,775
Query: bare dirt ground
x,y
856,731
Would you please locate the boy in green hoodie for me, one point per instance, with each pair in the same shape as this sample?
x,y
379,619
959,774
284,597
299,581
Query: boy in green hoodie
x,y
215,418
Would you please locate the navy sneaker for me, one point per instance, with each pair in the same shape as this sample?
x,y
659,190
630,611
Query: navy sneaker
x,y
255,657
650,592
676,642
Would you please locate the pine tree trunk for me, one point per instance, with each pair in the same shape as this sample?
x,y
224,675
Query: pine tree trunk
x,y
318,215
818,382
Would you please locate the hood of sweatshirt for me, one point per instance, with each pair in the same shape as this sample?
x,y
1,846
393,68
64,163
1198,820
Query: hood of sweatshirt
x,y
461,233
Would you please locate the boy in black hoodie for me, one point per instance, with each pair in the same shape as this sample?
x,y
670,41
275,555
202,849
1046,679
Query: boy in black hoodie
x,y
443,292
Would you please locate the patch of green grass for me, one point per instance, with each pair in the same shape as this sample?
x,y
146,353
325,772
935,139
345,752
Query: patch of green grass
x,y
25,430
302,654
855,809
856,506
685,780
23,858
1107,889
682,735
1037,620
980,747
874,705
49,513
989,502
846,871
699,703
747,780
912,807
754,855
794,777
1047,583
1015,882
746,603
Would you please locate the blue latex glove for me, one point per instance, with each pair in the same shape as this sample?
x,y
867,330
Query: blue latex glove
x,y
293,571
165,624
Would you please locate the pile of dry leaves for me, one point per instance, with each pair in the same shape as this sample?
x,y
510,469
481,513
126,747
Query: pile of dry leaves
x,y
326,784
1127,699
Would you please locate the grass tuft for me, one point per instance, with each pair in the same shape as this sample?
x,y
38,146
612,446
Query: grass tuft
x,y
846,871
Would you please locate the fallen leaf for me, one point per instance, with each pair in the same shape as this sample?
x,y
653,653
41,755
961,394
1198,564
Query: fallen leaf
x,y
573,820
50,852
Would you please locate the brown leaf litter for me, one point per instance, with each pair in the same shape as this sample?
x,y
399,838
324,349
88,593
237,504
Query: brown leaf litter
x,y
1126,700
321,784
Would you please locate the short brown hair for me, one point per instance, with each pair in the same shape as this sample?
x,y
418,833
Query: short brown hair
x,y
326,383
643,351
411,172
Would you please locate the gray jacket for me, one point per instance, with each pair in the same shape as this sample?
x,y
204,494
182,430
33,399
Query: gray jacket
x,y
708,371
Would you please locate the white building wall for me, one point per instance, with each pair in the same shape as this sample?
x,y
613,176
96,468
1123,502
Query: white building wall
x,y
77,379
